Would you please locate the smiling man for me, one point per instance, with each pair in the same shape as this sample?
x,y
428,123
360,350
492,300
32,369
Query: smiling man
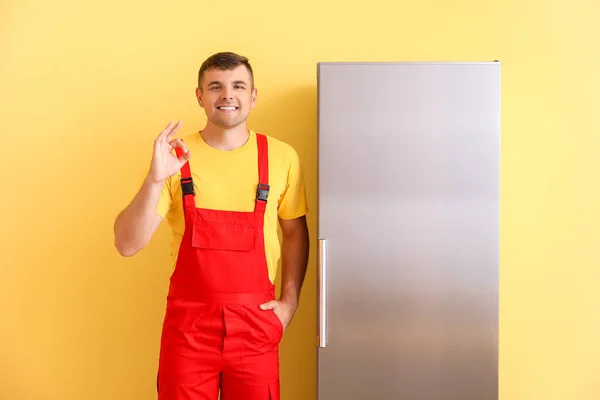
x,y
224,193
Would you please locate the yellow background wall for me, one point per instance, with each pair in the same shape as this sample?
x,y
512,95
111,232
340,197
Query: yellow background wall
x,y
86,86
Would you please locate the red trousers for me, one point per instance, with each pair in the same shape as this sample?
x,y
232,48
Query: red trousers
x,y
221,344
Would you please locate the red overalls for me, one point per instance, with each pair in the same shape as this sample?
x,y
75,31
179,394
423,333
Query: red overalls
x,y
214,334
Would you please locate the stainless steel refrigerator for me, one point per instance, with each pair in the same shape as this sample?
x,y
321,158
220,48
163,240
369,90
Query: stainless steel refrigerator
x,y
408,230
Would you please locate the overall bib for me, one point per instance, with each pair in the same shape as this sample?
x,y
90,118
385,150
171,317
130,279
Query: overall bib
x,y
214,334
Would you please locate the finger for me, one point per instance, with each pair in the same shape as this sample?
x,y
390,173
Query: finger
x,y
174,130
268,305
164,132
185,157
178,143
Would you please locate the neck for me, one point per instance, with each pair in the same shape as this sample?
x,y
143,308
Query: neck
x,y
223,138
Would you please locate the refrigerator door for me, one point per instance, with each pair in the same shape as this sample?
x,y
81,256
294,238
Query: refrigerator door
x,y
408,204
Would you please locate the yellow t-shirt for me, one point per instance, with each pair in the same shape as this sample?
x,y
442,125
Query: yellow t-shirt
x,y
226,180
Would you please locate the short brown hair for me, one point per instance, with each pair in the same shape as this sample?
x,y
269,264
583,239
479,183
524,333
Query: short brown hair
x,y
224,61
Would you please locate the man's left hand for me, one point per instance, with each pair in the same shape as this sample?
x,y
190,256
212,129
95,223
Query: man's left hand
x,y
284,310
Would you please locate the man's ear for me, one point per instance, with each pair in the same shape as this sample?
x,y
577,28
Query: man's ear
x,y
254,96
199,97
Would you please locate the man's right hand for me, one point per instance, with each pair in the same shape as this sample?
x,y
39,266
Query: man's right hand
x,y
164,163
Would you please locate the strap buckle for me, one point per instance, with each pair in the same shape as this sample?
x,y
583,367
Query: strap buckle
x,y
262,193
187,186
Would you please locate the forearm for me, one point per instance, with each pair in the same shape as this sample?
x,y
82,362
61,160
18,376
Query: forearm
x,y
134,225
295,250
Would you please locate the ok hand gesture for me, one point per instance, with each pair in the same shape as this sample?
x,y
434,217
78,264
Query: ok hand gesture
x,y
164,163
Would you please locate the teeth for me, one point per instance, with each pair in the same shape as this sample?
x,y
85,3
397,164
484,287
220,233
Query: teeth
x,y
227,108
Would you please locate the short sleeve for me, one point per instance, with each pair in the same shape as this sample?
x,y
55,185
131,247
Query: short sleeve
x,y
293,203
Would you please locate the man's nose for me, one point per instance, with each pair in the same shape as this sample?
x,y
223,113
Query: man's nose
x,y
226,95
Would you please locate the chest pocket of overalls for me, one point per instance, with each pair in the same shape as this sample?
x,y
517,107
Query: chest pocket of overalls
x,y
223,236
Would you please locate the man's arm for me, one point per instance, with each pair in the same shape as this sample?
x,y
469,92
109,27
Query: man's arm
x,y
295,250
292,210
136,224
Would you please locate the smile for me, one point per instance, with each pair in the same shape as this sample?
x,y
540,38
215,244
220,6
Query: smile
x,y
227,108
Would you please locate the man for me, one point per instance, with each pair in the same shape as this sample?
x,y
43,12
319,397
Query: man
x,y
224,193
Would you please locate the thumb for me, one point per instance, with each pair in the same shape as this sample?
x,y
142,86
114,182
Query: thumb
x,y
185,157
268,305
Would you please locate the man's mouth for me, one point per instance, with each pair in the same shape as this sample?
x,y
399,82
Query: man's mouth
x,y
227,108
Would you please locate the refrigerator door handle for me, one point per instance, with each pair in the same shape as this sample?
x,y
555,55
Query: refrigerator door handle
x,y
322,278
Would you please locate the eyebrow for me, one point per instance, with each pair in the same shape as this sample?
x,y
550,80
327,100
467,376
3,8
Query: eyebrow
x,y
219,83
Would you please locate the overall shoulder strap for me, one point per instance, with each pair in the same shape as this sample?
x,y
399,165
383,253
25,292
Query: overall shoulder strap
x,y
187,183
262,191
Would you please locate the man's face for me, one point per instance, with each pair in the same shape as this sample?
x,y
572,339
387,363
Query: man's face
x,y
227,96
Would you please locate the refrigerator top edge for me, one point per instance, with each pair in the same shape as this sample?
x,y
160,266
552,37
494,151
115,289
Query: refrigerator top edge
x,y
323,63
